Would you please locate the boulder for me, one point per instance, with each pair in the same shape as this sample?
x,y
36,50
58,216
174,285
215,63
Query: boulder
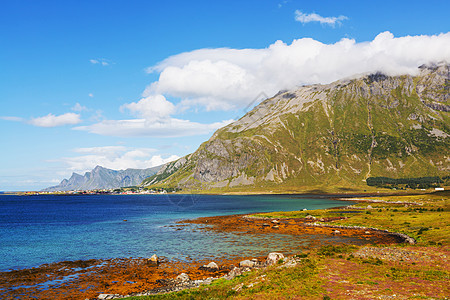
x,y
275,221
154,259
247,264
183,277
211,266
309,217
233,273
273,258
336,232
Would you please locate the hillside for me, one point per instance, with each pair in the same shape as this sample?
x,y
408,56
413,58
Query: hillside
x,y
103,178
327,137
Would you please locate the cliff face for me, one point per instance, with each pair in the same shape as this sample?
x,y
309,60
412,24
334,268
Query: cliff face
x,y
328,135
102,178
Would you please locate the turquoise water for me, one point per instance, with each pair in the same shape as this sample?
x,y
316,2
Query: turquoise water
x,y
42,229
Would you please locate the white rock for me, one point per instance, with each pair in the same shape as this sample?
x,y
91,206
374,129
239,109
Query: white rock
x,y
247,263
238,288
107,296
273,258
212,265
154,258
233,273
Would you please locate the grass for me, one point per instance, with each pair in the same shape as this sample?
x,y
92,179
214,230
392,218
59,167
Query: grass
x,y
337,272
425,218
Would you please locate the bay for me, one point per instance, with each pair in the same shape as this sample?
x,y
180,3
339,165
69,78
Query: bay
x,y
49,228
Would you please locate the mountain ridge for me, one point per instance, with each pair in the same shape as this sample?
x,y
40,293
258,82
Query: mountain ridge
x,y
103,178
318,136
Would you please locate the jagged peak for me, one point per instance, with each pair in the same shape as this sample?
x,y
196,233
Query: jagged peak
x,y
434,66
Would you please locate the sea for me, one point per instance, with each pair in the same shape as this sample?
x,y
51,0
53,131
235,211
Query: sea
x,y
40,229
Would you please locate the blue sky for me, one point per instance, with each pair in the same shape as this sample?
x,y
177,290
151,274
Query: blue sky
x,y
138,83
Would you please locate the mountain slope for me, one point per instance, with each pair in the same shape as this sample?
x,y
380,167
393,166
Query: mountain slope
x,y
102,178
323,136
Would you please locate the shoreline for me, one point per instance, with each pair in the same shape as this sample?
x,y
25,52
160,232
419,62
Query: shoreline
x,y
86,279
120,277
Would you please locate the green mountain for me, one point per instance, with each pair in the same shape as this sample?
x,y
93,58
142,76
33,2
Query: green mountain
x,y
327,137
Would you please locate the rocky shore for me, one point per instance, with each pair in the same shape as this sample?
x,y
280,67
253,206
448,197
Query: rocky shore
x,y
117,278
183,281
297,226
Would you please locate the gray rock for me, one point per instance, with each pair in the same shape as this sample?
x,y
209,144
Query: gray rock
x,y
183,277
233,273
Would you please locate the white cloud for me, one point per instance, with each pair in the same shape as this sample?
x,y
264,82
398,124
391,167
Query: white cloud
x,y
170,127
78,107
91,95
313,17
116,158
152,108
51,120
223,78
13,119
100,61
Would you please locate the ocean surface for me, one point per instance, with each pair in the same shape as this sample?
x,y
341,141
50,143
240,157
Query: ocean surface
x,y
43,229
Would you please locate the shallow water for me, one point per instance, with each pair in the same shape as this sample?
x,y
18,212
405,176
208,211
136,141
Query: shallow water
x,y
42,229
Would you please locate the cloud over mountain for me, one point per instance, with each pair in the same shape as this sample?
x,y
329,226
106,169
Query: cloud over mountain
x,y
114,157
224,78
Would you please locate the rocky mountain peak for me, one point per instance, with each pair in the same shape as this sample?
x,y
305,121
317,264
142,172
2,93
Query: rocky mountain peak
x,y
103,178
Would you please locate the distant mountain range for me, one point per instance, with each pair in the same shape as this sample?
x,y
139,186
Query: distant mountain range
x,y
327,138
103,178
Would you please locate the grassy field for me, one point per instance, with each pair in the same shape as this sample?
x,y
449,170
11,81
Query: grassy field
x,y
419,271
